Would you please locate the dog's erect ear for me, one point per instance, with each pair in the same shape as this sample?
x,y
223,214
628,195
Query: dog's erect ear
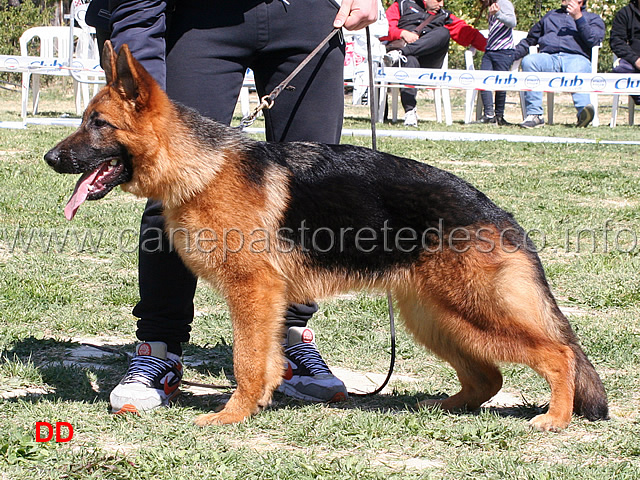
x,y
109,61
133,81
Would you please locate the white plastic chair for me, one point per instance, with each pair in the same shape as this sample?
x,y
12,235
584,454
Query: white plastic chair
x,y
54,43
616,99
87,48
472,98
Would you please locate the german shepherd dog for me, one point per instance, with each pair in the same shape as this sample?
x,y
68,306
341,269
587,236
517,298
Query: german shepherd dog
x,y
272,223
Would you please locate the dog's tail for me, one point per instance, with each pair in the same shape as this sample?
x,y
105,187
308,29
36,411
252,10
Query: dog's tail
x,y
590,399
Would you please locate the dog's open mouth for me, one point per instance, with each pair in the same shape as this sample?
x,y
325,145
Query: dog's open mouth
x,y
95,184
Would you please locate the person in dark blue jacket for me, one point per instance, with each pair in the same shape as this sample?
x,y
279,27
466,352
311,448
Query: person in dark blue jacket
x,y
199,51
564,37
625,41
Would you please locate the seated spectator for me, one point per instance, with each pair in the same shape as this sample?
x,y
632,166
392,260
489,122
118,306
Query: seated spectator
x,y
565,37
625,41
428,47
498,55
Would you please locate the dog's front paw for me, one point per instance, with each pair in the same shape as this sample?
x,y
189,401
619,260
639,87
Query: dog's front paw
x,y
548,423
224,417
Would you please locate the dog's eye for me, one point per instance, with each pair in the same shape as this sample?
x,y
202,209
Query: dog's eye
x,y
99,122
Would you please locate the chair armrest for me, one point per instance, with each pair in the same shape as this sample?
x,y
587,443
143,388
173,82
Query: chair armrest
x,y
595,52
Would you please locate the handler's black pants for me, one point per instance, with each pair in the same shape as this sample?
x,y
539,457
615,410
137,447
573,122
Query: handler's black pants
x,y
210,44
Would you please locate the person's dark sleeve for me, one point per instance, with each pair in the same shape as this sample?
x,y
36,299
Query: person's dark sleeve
x,y
141,24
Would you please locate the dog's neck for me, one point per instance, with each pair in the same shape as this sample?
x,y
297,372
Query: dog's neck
x,y
185,160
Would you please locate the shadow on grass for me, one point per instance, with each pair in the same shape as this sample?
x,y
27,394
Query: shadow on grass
x,y
91,378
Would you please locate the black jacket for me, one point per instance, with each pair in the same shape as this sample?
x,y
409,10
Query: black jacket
x,y
98,15
625,33
413,13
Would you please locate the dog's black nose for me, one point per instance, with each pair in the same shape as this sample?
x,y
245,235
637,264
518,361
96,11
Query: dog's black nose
x,y
52,158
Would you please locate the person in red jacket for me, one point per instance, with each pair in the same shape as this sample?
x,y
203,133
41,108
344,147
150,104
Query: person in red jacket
x,y
428,47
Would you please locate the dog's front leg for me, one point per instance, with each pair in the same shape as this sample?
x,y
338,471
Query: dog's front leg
x,y
257,306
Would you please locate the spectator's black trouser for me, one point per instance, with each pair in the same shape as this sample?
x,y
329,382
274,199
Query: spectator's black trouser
x,y
426,52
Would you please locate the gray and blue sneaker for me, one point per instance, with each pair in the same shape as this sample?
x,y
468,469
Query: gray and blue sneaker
x,y
152,380
307,376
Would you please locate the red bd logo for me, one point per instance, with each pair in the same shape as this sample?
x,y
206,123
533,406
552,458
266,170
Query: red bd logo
x,y
307,336
144,349
58,432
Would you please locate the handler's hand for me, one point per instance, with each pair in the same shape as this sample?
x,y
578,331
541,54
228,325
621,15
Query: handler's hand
x,y
356,14
494,8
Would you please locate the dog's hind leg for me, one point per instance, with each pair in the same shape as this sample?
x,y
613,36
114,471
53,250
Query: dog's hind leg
x,y
479,382
257,307
556,364
496,308
480,379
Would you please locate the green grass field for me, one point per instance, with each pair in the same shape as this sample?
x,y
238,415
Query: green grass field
x,y
65,283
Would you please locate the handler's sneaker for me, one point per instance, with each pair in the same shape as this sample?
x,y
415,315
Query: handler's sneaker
x,y
411,118
152,380
533,121
307,376
586,116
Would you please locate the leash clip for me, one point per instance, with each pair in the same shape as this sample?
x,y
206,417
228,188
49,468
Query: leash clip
x,y
266,102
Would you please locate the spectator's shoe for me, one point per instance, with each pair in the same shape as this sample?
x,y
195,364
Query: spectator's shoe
x,y
411,118
533,121
307,376
586,116
152,380
502,122
636,99
486,119
393,58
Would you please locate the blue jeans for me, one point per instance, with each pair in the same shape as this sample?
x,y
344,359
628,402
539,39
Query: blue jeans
x,y
500,60
557,62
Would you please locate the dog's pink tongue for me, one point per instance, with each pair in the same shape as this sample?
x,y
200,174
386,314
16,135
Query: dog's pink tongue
x,y
80,193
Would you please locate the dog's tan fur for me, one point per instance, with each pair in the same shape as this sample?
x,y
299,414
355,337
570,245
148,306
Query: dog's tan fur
x,y
474,309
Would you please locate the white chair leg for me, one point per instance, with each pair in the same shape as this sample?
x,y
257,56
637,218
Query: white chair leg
x,y
394,104
594,101
244,101
86,97
77,92
614,110
25,93
446,102
469,101
550,103
382,102
522,105
35,90
479,107
437,100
